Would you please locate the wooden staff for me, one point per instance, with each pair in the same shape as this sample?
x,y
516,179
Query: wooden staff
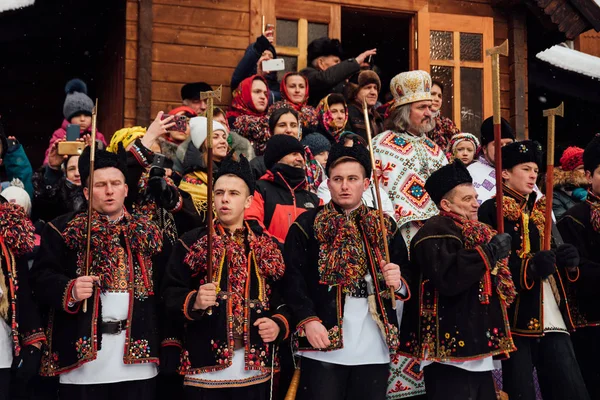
x,y
88,254
209,97
495,53
550,114
378,195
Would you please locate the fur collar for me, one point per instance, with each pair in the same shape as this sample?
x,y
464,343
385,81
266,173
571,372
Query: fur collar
x,y
568,180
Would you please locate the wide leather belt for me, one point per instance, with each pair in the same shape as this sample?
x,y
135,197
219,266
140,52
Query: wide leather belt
x,y
113,327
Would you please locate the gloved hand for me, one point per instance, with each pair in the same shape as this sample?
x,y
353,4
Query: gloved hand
x,y
169,359
156,186
28,363
543,264
499,246
567,256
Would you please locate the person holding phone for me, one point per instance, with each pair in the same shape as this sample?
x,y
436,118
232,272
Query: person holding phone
x,y
77,109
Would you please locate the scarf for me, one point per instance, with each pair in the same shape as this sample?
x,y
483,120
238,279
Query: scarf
x,y
231,248
475,234
241,103
292,177
314,171
326,119
342,250
195,183
142,240
594,203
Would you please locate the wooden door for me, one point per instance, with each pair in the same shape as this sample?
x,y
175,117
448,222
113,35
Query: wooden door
x,y
452,47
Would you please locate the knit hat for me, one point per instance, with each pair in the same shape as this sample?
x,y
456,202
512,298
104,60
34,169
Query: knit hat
x,y
317,143
364,78
571,158
199,129
357,152
104,159
187,111
191,91
461,137
16,193
410,87
126,136
240,168
487,131
591,154
77,101
323,47
445,179
280,146
521,152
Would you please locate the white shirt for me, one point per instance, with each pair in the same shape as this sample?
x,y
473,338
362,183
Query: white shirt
x,y
553,320
108,367
6,346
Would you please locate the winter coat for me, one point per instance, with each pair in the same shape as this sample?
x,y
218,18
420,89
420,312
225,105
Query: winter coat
x,y
54,195
356,121
332,80
61,133
564,184
17,165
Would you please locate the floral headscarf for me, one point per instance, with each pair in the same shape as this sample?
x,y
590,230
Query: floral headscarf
x,y
326,119
242,103
308,116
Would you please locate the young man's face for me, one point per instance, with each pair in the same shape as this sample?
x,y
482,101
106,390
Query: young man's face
x,y
594,180
109,192
232,198
522,177
347,183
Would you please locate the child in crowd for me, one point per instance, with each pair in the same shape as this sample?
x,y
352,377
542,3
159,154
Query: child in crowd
x,y
317,154
463,146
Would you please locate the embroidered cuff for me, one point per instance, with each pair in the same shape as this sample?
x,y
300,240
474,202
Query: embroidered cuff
x,y
403,292
301,324
141,153
284,327
171,342
526,282
35,336
188,311
69,303
178,205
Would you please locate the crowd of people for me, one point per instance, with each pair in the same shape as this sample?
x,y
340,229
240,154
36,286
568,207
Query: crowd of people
x,y
285,279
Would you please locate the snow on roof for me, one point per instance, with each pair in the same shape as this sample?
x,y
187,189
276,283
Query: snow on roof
x,y
6,5
571,60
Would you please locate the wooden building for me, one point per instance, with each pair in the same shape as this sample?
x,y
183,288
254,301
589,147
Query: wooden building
x,y
143,51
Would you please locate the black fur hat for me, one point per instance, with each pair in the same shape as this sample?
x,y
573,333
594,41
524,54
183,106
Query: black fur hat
x,y
323,47
104,159
445,179
240,168
591,154
487,131
521,152
358,152
192,91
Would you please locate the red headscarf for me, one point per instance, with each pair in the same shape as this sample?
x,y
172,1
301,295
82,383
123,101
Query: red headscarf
x,y
242,103
286,97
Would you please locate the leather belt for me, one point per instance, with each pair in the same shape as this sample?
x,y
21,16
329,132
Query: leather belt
x,y
113,327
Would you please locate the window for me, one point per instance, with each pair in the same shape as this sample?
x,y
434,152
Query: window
x,y
292,39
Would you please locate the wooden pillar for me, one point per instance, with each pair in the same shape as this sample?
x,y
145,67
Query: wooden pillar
x,y
518,72
144,63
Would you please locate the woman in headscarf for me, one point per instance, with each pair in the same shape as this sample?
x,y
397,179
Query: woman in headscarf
x,y
248,113
294,94
333,116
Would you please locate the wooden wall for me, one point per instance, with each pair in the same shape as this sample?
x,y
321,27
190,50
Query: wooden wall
x,y
589,42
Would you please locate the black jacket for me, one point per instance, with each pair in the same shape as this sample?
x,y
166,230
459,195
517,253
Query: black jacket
x,y
576,228
53,195
448,319
332,80
526,314
356,121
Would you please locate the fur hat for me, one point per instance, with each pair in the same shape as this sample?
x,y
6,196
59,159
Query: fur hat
x,y
317,143
323,47
591,154
192,91
445,179
77,101
357,152
487,131
199,129
521,152
104,159
410,87
280,146
364,78
571,158
240,168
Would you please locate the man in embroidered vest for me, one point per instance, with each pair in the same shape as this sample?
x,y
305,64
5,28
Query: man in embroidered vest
x,y
337,286
230,322
483,169
21,331
459,323
580,226
111,349
539,316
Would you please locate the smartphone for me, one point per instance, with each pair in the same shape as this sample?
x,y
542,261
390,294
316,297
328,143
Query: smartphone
x,y
269,30
181,122
70,148
277,64
72,132
12,143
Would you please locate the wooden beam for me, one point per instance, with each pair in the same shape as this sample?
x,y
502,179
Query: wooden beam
x,y
144,63
518,70
302,43
456,103
422,42
335,22
590,10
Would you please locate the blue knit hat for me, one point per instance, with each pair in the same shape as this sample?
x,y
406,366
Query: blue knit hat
x,y
317,143
77,101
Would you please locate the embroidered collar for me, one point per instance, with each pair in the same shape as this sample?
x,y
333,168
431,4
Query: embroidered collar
x,y
592,198
524,202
